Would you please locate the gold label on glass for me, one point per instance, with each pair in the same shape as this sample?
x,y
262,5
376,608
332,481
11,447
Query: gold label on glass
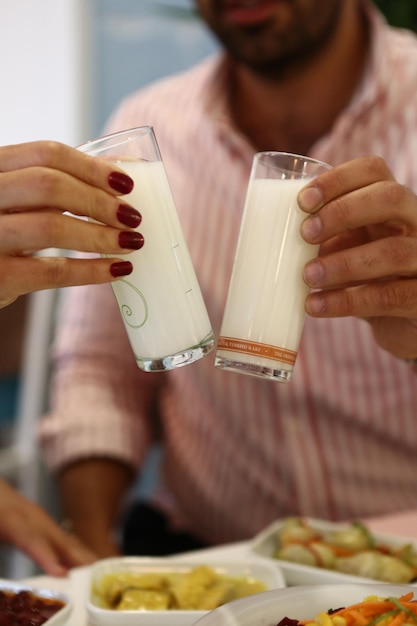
x,y
258,349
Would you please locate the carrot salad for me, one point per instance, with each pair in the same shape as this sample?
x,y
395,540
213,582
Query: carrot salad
x,y
372,611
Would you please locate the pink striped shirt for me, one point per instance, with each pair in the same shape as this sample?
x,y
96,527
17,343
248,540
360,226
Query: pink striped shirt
x,y
340,440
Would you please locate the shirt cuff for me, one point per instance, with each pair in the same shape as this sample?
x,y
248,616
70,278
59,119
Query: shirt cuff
x,y
404,524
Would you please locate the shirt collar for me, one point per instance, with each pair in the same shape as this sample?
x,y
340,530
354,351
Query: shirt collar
x,y
373,84
377,71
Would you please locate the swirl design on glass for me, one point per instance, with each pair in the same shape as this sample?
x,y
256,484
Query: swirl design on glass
x,y
126,309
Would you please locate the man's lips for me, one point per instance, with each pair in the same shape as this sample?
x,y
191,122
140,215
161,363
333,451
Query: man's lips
x,y
248,12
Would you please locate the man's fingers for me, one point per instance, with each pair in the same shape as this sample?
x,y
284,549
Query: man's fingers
x,y
390,298
343,179
382,259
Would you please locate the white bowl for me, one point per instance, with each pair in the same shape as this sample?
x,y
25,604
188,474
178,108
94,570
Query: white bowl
x,y
265,543
261,569
267,609
60,616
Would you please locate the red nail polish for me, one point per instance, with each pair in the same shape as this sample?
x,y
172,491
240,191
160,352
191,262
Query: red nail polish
x,y
120,182
131,240
121,268
128,216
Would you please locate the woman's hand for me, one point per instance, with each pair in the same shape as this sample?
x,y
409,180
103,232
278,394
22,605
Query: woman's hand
x,y
39,182
31,530
366,224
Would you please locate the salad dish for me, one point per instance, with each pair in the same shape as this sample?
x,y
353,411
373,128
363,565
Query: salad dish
x,y
386,610
315,551
364,604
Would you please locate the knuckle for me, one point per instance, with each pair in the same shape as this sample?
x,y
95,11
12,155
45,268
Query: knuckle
x,y
50,152
401,254
49,227
350,303
104,239
64,272
375,166
393,193
339,268
93,203
341,211
47,183
395,256
100,206
390,298
56,271
93,168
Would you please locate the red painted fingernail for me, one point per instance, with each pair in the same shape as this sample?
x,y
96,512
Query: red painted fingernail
x,y
121,268
131,240
120,182
128,216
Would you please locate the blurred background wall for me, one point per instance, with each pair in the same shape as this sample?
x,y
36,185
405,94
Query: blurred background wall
x,y
138,41
66,63
42,82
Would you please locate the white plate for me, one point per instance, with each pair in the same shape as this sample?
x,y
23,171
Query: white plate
x,y
60,617
258,568
264,544
267,609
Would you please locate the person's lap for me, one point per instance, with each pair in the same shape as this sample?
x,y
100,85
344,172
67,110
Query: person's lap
x,y
146,532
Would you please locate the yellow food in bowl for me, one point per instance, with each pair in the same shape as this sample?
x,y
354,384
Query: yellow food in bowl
x,y
200,589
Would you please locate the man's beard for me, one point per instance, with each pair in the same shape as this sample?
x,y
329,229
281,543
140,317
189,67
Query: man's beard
x,y
276,57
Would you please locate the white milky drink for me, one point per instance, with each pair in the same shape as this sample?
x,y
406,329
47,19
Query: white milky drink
x,y
264,312
160,301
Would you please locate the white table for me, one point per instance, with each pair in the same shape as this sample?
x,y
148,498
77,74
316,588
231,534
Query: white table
x,y
76,585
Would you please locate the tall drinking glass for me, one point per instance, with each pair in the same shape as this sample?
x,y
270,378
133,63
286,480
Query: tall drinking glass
x,y
264,313
161,302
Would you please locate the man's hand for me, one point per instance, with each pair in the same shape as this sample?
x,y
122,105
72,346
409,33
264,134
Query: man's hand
x,y
366,224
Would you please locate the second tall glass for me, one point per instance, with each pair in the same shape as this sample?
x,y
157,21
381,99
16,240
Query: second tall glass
x,y
264,313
